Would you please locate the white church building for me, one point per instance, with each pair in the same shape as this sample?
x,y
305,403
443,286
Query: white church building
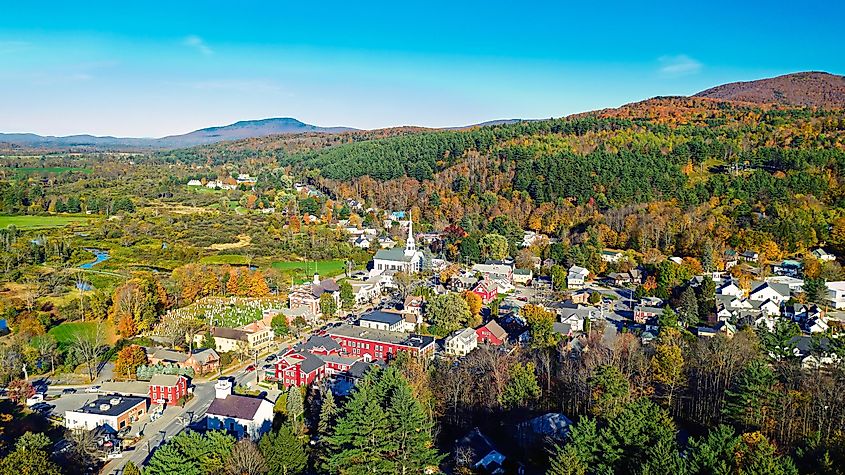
x,y
408,260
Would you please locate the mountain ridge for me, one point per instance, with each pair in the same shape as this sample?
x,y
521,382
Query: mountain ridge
x,y
243,129
802,89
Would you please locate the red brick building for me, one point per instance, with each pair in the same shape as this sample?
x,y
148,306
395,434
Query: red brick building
x,y
491,334
167,388
372,344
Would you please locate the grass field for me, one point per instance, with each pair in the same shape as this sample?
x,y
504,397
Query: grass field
x,y
40,222
300,269
65,332
23,171
235,259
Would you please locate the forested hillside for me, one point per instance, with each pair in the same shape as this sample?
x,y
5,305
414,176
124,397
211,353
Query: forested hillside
x,y
666,174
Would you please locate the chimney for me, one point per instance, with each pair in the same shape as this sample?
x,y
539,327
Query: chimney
x,y
223,388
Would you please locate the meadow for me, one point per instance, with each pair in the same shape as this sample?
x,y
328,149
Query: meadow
x,y
40,222
231,259
25,171
64,333
306,269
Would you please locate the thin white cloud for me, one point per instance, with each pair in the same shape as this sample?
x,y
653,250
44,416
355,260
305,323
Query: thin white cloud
x,y
197,43
680,65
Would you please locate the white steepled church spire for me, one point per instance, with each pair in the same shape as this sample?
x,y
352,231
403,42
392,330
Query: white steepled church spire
x,y
410,244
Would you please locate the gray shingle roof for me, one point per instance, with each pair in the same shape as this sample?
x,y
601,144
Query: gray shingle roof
x,y
238,407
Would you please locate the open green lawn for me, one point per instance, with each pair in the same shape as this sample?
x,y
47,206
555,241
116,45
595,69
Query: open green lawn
x,y
65,332
23,171
300,269
235,259
40,222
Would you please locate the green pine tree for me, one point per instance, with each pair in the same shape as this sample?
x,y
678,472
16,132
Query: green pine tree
x,y
295,407
410,433
284,452
328,411
168,460
748,400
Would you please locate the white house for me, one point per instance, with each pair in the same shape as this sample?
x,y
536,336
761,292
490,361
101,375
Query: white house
x,y
766,321
576,277
777,293
729,288
494,271
364,292
461,342
361,242
608,255
522,276
386,242
817,325
194,183
836,294
768,307
529,238
823,255
381,320
243,416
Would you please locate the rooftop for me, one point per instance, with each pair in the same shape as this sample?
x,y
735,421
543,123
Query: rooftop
x,y
379,316
384,336
229,333
397,254
235,406
165,380
111,405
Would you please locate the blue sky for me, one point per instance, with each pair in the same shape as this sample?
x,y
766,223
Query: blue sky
x,y
158,68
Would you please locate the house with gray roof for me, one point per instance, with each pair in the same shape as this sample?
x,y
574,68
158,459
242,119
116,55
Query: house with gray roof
x,y
242,416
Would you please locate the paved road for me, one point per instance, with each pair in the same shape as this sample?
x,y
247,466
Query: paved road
x,y
173,421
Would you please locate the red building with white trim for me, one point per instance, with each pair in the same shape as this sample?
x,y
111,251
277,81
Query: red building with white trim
x,y
167,388
372,344
487,290
316,359
491,334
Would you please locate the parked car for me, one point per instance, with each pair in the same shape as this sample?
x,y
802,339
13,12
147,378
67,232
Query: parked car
x,y
267,366
37,398
42,407
93,389
69,391
271,358
250,368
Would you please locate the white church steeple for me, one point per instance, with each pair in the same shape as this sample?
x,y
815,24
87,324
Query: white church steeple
x,y
410,244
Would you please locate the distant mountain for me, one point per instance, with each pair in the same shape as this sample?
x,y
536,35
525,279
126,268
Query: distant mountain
x,y
238,130
814,89
246,129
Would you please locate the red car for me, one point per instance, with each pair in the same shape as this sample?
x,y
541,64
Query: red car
x,y
250,368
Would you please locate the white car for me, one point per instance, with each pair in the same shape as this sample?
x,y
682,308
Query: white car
x,y
35,399
92,389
